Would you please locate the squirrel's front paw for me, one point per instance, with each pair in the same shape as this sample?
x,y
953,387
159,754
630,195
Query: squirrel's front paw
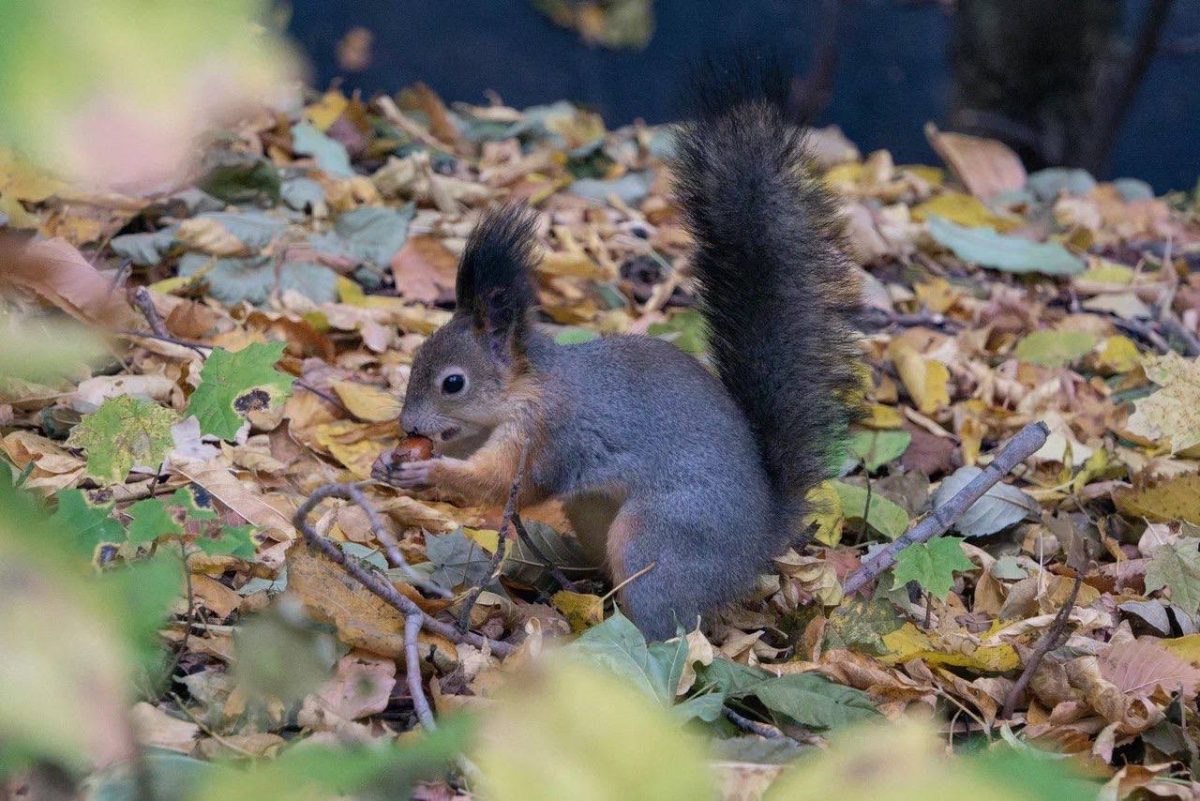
x,y
416,474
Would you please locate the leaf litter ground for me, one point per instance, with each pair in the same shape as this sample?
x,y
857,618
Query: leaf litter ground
x,y
291,282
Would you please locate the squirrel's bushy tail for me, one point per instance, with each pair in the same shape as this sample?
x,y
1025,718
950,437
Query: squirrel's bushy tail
x,y
773,281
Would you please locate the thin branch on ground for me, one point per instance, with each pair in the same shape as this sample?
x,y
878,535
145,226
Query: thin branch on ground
x,y
412,671
379,585
391,548
749,726
1146,331
204,727
506,524
1047,644
1027,441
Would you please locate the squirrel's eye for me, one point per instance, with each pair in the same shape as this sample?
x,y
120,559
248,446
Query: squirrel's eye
x,y
454,383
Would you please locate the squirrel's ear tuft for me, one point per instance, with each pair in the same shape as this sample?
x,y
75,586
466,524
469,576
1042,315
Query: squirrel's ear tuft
x,y
494,287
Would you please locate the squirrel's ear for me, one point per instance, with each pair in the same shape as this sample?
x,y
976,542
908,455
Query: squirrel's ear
x,y
494,288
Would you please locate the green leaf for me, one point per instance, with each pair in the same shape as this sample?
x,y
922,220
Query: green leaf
x,y
877,448
1000,507
330,154
141,595
232,281
1177,567
371,235
196,503
125,431
932,565
151,520
88,524
1012,254
145,250
575,336
878,512
1055,348
686,329
579,733
813,700
808,698
233,541
458,561
243,180
232,384
619,647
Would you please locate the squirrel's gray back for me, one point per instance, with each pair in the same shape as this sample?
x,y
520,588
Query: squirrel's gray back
x,y
636,411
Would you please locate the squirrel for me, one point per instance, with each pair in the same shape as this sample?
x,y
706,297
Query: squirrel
x,y
688,481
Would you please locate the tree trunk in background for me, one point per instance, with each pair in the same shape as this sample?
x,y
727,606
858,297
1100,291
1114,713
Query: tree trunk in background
x,y
1024,72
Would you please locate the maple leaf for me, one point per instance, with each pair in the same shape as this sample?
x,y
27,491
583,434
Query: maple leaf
x,y
232,540
1173,412
90,523
235,383
151,520
1177,567
123,432
932,565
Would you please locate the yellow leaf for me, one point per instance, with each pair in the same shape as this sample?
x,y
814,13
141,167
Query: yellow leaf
x,y
880,416
1172,412
325,111
486,538
1187,647
350,292
1174,499
934,176
577,732
927,380
23,181
171,286
366,402
825,510
1118,354
937,648
581,610
962,209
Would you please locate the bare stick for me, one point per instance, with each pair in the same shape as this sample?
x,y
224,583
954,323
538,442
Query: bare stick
x,y
506,520
1027,441
744,723
391,548
412,671
379,585
1045,645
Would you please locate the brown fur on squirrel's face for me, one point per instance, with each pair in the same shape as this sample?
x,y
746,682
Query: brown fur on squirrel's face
x,y
455,392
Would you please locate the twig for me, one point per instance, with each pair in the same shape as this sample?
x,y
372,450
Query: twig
x,y
1027,441
391,548
1047,644
554,569
412,671
1145,331
629,581
753,726
204,727
381,587
506,523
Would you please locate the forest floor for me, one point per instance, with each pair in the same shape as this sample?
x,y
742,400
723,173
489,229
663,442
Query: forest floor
x,y
257,330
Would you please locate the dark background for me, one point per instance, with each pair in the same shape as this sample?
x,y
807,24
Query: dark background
x,y
892,73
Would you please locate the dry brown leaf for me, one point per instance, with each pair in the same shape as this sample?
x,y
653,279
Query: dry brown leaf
x,y
1141,667
58,273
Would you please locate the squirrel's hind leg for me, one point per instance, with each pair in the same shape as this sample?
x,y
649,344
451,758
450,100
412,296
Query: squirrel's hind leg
x,y
690,567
